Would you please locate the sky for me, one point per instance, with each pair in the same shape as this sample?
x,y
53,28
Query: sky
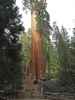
x,y
61,11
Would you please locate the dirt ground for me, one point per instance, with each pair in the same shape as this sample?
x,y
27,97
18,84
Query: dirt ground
x,y
33,99
51,98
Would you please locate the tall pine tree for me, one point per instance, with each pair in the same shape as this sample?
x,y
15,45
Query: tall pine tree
x,y
10,28
72,61
64,56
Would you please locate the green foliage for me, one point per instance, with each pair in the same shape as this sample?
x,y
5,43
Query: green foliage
x,y
26,47
10,68
33,4
43,24
54,63
56,34
64,56
10,23
72,58
51,55
42,14
10,28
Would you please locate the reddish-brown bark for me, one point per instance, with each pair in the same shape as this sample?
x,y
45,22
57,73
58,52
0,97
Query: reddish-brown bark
x,y
38,64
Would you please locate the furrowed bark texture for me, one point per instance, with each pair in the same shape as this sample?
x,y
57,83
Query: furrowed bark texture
x,y
38,64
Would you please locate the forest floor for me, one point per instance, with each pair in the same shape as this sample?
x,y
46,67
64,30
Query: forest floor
x,y
33,99
51,98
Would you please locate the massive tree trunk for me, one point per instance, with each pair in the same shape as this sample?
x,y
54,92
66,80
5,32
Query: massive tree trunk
x,y
38,64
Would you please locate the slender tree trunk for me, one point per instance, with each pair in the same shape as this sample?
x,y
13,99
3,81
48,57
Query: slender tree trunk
x,y
38,64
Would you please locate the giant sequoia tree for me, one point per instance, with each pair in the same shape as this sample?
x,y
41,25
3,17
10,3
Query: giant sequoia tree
x,y
10,28
39,24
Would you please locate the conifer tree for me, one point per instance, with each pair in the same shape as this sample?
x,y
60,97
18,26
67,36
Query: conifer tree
x,y
64,56
72,61
39,25
10,28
